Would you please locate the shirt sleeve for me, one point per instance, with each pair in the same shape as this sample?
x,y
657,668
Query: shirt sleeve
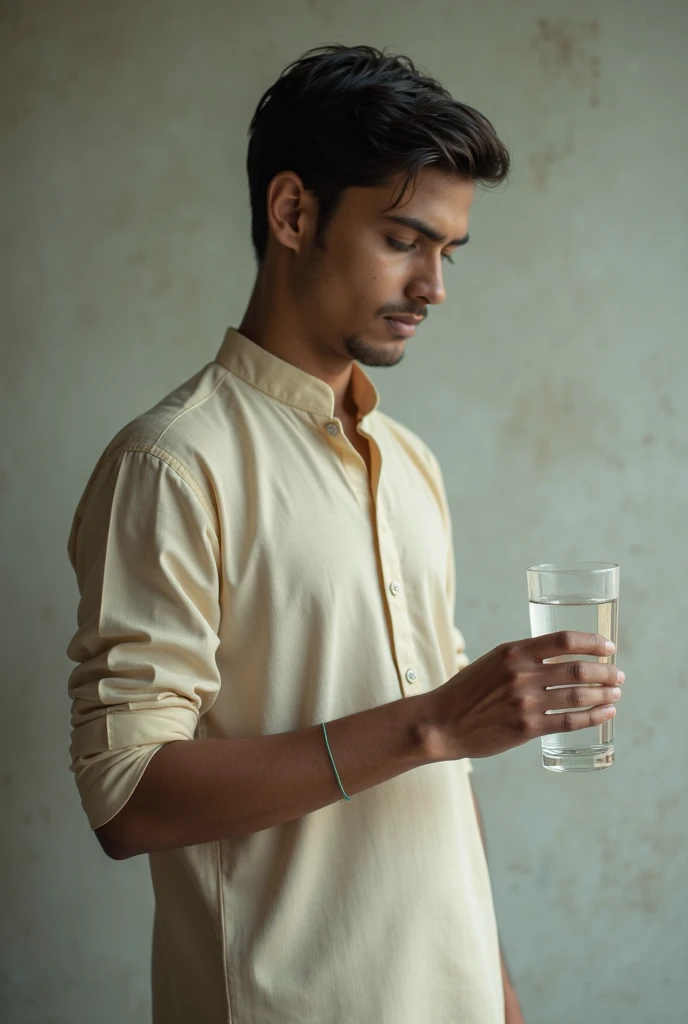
x,y
461,659
146,556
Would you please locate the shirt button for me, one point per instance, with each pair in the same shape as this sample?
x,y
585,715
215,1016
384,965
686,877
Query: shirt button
x,y
394,587
332,428
411,676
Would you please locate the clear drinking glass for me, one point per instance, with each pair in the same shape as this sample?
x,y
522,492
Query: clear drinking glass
x,y
583,596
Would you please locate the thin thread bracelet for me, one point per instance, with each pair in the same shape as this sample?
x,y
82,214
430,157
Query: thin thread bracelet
x,y
327,744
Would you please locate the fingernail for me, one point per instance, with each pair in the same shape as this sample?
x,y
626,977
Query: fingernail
x,y
621,676
609,712
616,692
609,647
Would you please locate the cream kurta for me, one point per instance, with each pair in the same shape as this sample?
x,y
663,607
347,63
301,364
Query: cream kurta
x,y
241,575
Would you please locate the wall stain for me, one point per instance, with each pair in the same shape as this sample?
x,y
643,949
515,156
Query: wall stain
x,y
137,258
668,407
87,56
542,162
643,890
323,11
161,286
47,613
679,449
559,419
561,48
521,866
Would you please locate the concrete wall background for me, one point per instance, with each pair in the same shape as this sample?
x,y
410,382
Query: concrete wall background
x,y
551,385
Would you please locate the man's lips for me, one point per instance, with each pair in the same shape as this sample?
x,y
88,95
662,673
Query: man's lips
x,y
403,323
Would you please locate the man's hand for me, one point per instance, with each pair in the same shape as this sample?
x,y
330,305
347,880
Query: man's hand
x,y
501,700
512,1008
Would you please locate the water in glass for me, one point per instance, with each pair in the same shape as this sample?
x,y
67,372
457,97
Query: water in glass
x,y
585,749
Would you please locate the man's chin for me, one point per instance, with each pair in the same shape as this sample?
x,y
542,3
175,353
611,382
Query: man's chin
x,y
375,353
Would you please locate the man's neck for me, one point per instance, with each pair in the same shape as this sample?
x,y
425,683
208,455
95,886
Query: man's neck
x,y
280,335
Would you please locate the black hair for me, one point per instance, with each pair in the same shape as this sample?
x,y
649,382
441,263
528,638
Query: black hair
x,y
344,116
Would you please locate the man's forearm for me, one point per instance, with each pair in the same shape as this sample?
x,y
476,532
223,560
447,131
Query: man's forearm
x,y
198,791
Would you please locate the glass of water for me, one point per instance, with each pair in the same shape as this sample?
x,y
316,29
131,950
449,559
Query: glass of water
x,y
583,596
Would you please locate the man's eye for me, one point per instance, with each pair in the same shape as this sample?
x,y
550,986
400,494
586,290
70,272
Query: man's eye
x,y
399,246
394,243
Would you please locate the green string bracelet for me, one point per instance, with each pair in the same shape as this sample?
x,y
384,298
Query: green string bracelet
x,y
327,744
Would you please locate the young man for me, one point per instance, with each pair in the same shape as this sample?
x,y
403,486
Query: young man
x,y
264,552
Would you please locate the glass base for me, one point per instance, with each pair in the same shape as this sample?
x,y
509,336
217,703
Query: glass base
x,y
590,759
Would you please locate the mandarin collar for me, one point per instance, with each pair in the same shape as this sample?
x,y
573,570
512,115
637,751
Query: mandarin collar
x,y
287,383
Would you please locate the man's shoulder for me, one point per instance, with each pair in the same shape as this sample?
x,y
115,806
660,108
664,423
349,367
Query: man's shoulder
x,y
185,430
182,423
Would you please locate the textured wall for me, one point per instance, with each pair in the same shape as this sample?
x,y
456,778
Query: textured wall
x,y
551,385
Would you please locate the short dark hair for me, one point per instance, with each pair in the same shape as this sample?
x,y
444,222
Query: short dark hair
x,y
345,116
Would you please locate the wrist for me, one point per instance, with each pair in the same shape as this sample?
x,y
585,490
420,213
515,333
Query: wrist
x,y
432,736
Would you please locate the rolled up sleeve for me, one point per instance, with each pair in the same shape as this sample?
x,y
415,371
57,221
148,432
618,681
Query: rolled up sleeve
x,y
146,555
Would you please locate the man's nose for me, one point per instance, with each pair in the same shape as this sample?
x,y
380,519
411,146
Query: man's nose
x,y
428,288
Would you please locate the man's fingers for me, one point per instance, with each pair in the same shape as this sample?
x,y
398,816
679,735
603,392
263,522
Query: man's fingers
x,y
572,721
589,673
568,642
580,697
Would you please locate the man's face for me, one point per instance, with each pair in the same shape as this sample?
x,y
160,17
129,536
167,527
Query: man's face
x,y
365,293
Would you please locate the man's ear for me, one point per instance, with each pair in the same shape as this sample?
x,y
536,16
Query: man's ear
x,y
291,210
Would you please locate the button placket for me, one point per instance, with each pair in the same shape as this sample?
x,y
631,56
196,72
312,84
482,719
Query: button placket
x,y
404,651
358,481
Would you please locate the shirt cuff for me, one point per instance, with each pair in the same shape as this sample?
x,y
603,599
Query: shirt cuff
x,y
111,753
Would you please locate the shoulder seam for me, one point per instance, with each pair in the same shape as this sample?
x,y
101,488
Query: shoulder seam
x,y
149,448
195,405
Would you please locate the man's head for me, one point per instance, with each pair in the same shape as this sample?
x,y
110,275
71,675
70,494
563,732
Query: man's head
x,y
361,173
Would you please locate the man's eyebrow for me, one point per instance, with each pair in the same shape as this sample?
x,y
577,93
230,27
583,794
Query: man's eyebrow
x,y
425,229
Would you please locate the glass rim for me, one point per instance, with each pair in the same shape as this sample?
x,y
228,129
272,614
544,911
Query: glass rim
x,y
573,567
